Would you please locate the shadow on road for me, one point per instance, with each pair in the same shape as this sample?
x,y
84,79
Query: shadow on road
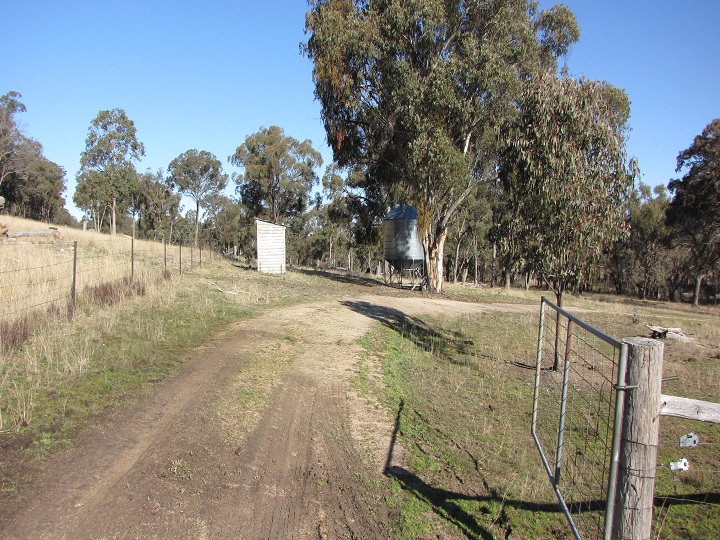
x,y
424,336
366,280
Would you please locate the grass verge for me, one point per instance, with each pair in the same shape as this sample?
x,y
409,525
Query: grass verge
x,y
470,468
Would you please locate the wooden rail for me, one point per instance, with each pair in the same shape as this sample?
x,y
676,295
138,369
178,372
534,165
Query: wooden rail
x,y
691,409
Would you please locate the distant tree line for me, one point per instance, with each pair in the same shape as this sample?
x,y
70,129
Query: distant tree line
x,y
465,110
31,185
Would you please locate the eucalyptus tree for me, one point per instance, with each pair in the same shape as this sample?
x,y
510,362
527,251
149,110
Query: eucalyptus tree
x,y
648,236
90,197
197,174
39,192
10,135
31,184
158,205
355,210
694,211
279,173
111,147
413,92
567,177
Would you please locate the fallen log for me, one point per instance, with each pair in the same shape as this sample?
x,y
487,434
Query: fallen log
x,y
18,234
661,332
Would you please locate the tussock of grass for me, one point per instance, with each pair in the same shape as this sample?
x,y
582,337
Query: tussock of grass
x,y
14,333
112,292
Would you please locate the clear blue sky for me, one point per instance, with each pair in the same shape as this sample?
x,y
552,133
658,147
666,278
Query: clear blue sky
x,y
205,75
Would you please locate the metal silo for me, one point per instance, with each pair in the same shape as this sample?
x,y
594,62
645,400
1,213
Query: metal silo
x,y
402,249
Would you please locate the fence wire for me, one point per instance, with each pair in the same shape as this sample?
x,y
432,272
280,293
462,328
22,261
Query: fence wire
x,y
38,276
574,415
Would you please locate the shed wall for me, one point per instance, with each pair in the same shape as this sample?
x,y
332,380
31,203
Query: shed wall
x,y
270,247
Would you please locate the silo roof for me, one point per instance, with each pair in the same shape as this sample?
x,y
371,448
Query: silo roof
x,y
403,212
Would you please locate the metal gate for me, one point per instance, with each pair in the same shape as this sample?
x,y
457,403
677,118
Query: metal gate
x,y
576,420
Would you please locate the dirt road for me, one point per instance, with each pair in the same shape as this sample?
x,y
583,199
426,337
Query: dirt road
x,y
258,437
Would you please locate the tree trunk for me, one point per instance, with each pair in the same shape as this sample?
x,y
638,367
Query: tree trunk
x,y
507,278
434,252
492,272
112,218
475,255
698,285
197,220
457,260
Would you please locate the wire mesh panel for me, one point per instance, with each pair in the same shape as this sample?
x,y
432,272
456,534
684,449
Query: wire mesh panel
x,y
574,415
34,276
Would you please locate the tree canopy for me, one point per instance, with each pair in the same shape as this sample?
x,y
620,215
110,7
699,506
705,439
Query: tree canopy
x,y
565,176
279,173
414,92
31,184
694,211
197,174
106,165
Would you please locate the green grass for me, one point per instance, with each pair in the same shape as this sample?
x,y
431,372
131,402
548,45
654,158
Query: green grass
x,y
463,407
462,417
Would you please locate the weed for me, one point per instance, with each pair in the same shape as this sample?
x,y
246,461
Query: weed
x,y
15,333
180,469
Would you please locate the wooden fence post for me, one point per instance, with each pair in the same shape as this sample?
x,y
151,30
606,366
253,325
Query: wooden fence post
x,y
73,293
632,519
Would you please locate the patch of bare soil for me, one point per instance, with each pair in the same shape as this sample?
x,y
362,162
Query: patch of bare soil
x,y
258,437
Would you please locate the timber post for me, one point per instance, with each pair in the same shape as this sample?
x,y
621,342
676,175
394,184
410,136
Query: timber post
x,y
638,440
73,292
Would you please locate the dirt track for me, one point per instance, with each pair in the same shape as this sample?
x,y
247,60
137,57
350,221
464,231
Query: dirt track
x,y
202,458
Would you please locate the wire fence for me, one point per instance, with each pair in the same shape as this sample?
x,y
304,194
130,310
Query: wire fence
x,y
574,414
687,473
580,415
50,275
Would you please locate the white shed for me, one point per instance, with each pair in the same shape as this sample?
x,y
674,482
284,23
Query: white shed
x,y
270,247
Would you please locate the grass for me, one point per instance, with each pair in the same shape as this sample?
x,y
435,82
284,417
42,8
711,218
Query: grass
x,y
460,400
462,416
36,273
462,408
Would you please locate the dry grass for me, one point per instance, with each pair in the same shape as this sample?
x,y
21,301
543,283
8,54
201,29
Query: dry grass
x,y
37,273
36,311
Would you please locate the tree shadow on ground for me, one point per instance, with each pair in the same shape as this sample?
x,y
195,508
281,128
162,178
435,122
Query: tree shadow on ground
x,y
341,277
446,503
426,337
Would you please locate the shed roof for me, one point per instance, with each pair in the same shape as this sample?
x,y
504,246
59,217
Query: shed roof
x,y
271,223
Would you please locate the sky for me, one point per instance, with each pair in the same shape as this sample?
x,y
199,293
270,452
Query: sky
x,y
206,75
